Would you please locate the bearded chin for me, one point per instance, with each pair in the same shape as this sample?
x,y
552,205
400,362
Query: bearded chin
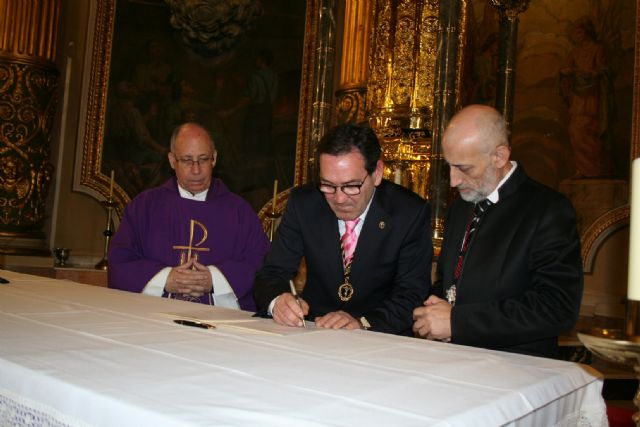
x,y
472,197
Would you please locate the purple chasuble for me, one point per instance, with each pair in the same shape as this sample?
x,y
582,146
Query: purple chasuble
x,y
156,232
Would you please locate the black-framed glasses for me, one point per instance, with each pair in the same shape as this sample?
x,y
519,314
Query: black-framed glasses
x,y
189,162
348,189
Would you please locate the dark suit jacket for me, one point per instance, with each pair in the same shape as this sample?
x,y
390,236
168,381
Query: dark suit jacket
x,y
521,283
391,267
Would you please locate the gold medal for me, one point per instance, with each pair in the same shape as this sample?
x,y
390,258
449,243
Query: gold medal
x,y
345,291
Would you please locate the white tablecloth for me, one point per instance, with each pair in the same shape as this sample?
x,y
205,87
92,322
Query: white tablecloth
x,y
72,354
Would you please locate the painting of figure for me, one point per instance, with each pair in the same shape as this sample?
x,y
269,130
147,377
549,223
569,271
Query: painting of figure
x,y
232,65
586,86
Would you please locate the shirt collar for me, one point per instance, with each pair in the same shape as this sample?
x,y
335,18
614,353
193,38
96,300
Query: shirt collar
x,y
186,194
495,196
363,215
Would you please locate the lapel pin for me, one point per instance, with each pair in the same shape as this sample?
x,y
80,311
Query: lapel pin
x,y
381,225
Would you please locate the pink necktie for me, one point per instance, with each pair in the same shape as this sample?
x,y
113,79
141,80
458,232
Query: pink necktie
x,y
349,240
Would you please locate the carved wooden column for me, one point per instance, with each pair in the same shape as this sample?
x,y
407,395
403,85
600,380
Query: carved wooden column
x,y
354,67
323,83
28,81
509,10
447,81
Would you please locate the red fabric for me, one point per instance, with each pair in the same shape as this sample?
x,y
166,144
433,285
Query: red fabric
x,y
620,417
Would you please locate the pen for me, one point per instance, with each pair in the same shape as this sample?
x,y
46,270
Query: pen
x,y
295,294
194,324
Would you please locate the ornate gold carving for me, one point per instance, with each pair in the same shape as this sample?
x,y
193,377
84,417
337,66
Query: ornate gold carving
x,y
407,157
401,87
402,63
213,28
91,176
28,84
27,106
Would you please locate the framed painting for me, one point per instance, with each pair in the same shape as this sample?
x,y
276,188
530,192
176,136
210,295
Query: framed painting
x,y
241,68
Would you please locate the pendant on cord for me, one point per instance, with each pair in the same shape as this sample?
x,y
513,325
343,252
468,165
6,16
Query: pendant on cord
x,y
345,291
451,295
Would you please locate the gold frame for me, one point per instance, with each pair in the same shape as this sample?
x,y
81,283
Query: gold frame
x,y
88,175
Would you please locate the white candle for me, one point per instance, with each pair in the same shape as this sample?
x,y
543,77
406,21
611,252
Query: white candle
x,y
111,186
275,194
633,284
397,176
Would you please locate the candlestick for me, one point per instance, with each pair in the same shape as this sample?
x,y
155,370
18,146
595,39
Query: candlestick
x,y
111,185
275,192
633,282
103,264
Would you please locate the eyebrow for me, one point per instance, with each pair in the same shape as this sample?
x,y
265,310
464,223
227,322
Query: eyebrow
x,y
326,181
459,165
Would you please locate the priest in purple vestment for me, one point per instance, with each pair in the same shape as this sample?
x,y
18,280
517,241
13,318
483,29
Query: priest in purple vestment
x,y
190,238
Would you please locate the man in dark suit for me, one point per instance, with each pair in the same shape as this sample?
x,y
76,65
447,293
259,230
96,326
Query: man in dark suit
x,y
387,276
513,282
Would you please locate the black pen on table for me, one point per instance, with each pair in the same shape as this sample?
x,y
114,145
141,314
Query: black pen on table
x,y
295,295
194,324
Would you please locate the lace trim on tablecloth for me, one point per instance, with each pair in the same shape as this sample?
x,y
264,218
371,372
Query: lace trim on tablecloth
x,y
588,416
18,411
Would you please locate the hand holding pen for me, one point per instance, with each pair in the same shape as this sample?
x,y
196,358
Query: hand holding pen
x,y
295,294
289,309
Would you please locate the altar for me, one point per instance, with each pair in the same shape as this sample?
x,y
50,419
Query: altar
x,y
81,355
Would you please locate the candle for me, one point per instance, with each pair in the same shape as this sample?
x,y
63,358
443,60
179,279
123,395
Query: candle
x,y
275,192
111,186
397,176
633,283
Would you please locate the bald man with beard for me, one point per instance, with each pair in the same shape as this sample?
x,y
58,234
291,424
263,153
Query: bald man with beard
x,y
511,279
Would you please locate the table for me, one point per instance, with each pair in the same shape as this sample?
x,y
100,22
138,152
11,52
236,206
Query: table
x,y
73,354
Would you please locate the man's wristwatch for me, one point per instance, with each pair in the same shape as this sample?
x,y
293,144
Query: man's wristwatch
x,y
364,323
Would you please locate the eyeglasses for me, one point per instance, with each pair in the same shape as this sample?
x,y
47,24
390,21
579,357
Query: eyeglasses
x,y
189,162
348,189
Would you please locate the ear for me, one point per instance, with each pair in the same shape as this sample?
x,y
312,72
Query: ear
x,y
214,159
172,160
378,172
501,156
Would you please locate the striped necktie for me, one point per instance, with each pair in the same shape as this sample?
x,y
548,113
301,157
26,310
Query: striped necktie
x,y
349,240
479,210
